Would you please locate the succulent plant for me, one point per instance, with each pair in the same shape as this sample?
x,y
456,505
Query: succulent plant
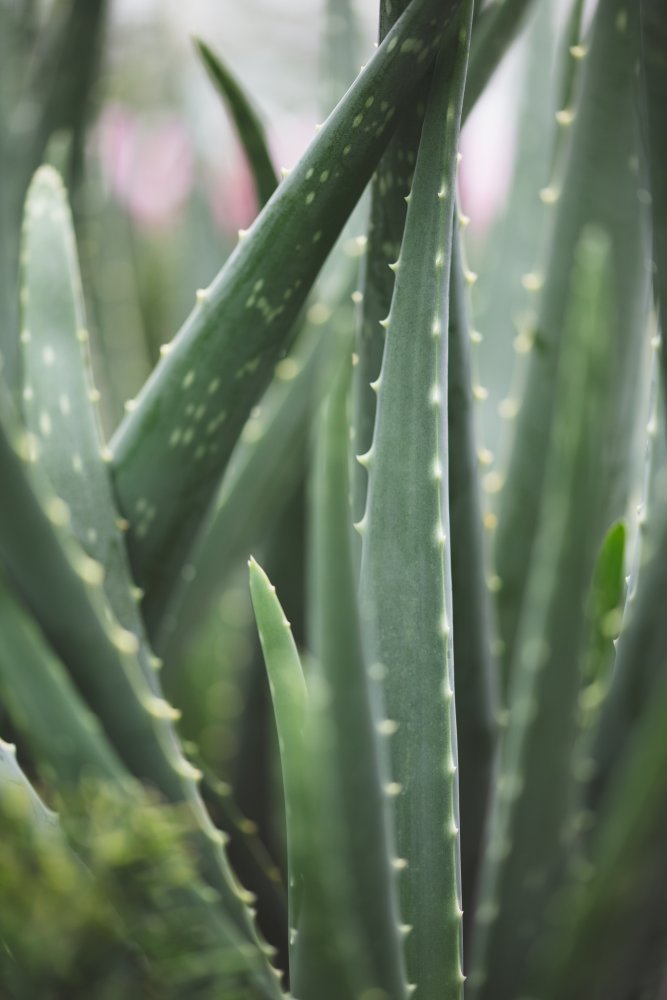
x,y
471,708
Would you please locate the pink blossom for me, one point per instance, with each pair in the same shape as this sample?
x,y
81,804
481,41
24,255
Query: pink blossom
x,y
232,194
148,167
488,146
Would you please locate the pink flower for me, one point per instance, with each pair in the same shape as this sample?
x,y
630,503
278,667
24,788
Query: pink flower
x,y
231,188
488,146
232,194
148,167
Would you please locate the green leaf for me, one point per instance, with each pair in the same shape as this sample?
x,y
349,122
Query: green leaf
x,y
58,392
654,80
516,243
640,659
474,663
63,734
356,751
17,795
170,451
320,945
390,188
63,589
529,829
289,696
264,467
60,400
599,188
406,583
605,610
69,36
249,127
610,922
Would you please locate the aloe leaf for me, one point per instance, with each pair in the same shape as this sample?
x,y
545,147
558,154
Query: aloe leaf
x,y
357,751
534,791
246,848
60,399
269,456
640,657
516,242
654,79
603,920
390,188
573,52
64,735
59,396
289,697
475,668
170,451
263,470
319,966
248,125
62,588
74,41
71,748
324,951
58,100
405,573
494,30
599,188
605,609
634,676
18,796
326,960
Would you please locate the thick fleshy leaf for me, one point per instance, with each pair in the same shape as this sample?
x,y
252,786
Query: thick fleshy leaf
x,y
405,573
170,451
529,837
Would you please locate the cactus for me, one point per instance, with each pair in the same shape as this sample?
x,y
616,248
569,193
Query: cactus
x,y
431,842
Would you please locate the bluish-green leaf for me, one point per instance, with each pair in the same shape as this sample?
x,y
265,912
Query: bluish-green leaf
x,y
249,127
357,751
63,734
323,950
170,451
406,580
19,798
600,187
533,795
60,400
474,663
609,923
63,589
654,80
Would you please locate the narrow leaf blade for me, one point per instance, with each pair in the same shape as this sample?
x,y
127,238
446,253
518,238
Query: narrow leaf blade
x,y
249,127
170,451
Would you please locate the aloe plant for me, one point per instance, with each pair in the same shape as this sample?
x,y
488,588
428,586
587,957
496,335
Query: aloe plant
x,y
465,800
